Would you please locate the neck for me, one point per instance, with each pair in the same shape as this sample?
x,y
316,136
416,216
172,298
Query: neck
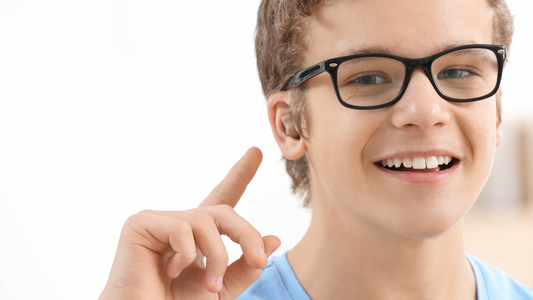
x,y
344,257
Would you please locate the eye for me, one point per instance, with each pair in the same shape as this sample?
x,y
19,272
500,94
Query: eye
x,y
453,74
369,80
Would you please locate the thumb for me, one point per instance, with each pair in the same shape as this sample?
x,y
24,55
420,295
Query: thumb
x,y
231,188
239,275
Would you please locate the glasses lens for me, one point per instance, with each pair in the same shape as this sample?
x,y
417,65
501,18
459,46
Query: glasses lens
x,y
370,81
466,74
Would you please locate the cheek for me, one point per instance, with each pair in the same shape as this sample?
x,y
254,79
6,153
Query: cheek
x,y
332,139
337,142
480,130
480,126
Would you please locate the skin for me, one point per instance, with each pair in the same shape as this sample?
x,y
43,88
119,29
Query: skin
x,y
160,253
374,236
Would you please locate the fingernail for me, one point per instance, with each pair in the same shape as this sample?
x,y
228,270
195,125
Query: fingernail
x,y
218,283
177,274
262,253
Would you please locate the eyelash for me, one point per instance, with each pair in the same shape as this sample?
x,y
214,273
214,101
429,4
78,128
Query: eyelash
x,y
467,69
352,81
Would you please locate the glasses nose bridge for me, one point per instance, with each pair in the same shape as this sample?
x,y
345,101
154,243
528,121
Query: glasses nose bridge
x,y
418,63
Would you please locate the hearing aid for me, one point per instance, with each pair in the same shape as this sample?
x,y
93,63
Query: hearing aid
x,y
290,127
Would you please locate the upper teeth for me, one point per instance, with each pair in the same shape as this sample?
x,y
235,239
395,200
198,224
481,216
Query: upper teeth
x,y
417,162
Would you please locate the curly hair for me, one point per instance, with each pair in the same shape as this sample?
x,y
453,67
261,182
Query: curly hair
x,y
280,41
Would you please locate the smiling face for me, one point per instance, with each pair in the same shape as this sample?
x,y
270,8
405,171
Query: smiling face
x,y
347,148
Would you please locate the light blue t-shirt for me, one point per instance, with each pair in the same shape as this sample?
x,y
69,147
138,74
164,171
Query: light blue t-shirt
x,y
278,282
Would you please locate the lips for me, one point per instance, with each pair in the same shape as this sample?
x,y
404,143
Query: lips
x,y
418,164
420,167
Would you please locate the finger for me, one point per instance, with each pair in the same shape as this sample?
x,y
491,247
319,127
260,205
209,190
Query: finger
x,y
239,275
240,231
207,238
157,233
231,188
208,223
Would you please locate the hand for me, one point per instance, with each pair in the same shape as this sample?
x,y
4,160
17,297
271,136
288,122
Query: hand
x,y
160,254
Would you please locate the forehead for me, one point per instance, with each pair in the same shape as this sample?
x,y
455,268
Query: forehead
x,y
409,28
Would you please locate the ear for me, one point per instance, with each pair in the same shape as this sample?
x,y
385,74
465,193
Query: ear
x,y
290,142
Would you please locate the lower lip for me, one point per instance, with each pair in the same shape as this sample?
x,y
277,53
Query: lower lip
x,y
423,178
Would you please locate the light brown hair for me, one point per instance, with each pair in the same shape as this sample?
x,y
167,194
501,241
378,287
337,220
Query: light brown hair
x,y
280,45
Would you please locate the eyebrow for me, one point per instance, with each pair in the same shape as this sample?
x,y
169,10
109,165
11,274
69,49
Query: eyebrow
x,y
365,50
390,50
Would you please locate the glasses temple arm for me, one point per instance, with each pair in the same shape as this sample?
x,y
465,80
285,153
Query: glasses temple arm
x,y
305,75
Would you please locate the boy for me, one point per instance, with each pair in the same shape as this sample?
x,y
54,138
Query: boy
x,y
391,150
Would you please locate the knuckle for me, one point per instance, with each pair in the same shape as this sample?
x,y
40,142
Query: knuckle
x,y
132,229
132,220
183,227
188,256
240,177
221,257
223,197
225,208
252,238
202,218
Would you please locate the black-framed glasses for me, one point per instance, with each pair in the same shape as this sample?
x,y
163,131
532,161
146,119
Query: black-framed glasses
x,y
370,81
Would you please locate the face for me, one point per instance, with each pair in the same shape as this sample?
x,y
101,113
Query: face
x,y
345,146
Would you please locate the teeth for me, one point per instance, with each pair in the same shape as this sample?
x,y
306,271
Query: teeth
x,y
407,162
432,162
417,162
397,162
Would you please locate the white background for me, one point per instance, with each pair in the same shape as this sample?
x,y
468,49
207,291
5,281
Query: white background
x,y
110,107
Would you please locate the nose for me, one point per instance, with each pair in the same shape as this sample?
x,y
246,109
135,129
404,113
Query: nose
x,y
420,107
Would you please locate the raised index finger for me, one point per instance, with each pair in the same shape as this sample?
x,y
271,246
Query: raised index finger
x,y
231,188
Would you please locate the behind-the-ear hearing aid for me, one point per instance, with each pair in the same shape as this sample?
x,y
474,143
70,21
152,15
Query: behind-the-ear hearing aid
x,y
290,127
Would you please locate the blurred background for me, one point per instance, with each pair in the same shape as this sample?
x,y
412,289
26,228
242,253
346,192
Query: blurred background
x,y
108,107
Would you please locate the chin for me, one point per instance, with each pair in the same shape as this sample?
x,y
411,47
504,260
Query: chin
x,y
426,226
424,215
426,231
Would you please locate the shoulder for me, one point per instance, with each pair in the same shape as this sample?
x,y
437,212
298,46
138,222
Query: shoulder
x,y
277,282
493,283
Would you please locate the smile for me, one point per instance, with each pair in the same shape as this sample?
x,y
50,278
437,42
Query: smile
x,y
418,164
